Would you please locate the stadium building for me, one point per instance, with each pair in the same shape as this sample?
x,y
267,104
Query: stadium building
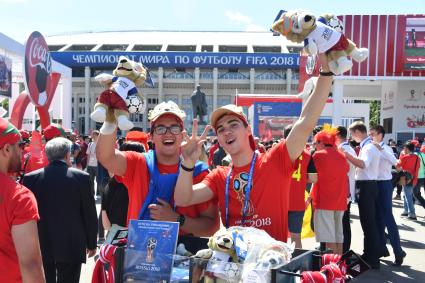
x,y
257,67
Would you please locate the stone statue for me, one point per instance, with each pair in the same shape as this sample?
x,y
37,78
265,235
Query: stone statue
x,y
199,105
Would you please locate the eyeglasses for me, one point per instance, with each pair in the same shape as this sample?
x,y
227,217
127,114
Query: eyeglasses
x,y
161,130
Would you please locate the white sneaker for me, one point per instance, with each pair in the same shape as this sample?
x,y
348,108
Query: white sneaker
x,y
98,115
124,124
360,54
107,128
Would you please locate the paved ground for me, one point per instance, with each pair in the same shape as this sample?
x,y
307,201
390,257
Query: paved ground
x,y
412,234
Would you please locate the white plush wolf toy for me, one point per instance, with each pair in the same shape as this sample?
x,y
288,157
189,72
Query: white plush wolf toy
x,y
121,96
320,38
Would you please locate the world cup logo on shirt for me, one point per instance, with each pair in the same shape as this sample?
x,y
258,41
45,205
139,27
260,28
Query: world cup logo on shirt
x,y
240,185
150,247
38,68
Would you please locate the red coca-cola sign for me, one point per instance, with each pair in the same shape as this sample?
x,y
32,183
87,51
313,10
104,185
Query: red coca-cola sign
x,y
38,69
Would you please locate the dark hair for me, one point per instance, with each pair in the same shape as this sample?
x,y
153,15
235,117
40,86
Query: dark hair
x,y
358,126
410,146
353,143
317,129
287,130
378,129
341,132
132,146
151,145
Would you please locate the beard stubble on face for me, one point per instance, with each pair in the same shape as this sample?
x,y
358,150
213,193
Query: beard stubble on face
x,y
15,160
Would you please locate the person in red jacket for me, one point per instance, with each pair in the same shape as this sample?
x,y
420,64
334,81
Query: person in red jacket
x,y
331,190
213,148
409,162
37,161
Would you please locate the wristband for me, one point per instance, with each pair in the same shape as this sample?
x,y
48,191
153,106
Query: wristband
x,y
326,74
186,168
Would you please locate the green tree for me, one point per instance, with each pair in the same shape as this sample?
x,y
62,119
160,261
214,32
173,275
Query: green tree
x,y
374,114
5,104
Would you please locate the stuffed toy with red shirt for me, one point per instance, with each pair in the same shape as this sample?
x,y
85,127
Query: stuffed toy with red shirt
x,y
320,38
121,96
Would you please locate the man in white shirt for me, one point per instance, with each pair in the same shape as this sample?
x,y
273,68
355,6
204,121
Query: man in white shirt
x,y
343,145
367,171
385,191
92,160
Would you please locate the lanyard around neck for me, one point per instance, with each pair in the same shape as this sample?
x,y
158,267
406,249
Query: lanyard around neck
x,y
248,190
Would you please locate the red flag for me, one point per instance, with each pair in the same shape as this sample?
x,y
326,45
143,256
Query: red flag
x,y
36,145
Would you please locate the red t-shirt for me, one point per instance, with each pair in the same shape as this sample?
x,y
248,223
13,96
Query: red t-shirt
x,y
410,163
17,206
136,179
268,209
331,190
299,183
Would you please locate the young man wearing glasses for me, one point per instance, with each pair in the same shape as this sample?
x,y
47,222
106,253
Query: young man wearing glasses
x,y
150,178
254,191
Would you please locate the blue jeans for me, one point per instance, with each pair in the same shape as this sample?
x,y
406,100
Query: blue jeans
x,y
409,207
386,218
417,192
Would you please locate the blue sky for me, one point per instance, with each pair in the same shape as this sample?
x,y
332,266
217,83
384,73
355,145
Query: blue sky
x,y
20,17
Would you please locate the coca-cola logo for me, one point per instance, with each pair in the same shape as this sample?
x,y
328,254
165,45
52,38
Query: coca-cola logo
x,y
38,69
40,55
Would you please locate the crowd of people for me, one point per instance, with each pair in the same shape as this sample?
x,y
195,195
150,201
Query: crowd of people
x,y
50,222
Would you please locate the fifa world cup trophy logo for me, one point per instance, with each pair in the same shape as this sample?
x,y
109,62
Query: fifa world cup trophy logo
x,y
240,184
151,245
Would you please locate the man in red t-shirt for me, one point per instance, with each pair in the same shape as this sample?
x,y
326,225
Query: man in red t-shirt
x,y
167,135
256,192
410,162
305,172
331,190
20,256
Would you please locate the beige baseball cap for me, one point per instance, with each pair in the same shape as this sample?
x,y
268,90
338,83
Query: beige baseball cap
x,y
163,108
231,109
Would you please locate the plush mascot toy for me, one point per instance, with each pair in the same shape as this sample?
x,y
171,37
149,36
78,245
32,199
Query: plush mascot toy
x,y
222,260
320,38
121,96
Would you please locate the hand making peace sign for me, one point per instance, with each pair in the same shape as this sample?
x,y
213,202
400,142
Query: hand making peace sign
x,y
191,147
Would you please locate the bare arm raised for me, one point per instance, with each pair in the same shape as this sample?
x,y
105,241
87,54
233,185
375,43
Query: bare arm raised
x,y
185,193
296,140
113,160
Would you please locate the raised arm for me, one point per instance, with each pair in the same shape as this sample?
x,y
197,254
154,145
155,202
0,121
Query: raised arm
x,y
25,239
358,162
184,193
113,160
309,115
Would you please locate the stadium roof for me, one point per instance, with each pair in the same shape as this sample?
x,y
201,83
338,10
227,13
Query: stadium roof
x,y
218,41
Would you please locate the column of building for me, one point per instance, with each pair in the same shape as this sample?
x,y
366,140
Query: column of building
x,y
215,87
337,97
252,81
87,78
288,80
